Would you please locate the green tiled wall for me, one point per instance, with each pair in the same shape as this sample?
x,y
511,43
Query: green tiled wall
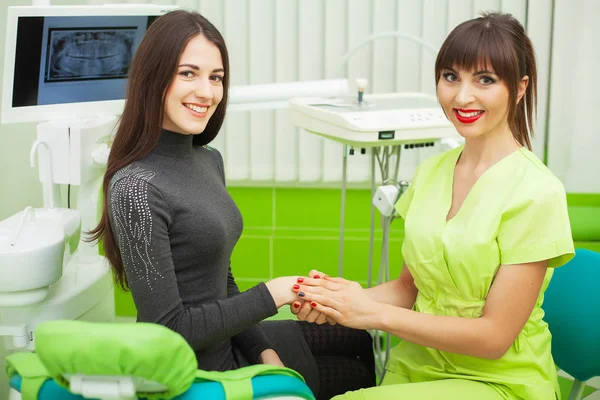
x,y
301,229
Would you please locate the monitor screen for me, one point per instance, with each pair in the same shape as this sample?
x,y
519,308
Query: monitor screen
x,y
69,60
74,59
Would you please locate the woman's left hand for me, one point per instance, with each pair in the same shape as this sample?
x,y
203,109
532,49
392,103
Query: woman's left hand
x,y
341,300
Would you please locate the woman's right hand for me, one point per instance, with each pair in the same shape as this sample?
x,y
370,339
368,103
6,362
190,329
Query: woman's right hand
x,y
281,290
303,309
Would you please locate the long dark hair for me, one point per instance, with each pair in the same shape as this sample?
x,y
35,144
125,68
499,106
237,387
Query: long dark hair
x,y
152,70
498,40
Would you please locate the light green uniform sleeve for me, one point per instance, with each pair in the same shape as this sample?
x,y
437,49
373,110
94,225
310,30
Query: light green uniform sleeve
x,y
537,229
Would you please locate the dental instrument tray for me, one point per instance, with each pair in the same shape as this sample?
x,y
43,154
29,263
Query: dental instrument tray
x,y
383,119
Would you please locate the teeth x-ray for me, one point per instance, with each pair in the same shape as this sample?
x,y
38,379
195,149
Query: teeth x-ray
x,y
73,59
89,53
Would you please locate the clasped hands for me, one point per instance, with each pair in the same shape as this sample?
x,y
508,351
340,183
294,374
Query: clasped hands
x,y
321,299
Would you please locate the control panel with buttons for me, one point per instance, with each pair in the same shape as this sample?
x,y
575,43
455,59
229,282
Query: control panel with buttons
x,y
387,119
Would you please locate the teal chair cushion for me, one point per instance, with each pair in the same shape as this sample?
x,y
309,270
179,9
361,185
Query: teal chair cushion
x,y
263,387
572,308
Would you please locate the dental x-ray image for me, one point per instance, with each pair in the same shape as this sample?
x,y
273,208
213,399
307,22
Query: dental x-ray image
x,y
89,53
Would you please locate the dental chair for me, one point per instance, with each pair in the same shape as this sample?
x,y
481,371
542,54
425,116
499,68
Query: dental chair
x,y
83,360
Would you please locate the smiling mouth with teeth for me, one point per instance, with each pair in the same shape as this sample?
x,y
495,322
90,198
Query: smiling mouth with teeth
x,y
469,114
196,108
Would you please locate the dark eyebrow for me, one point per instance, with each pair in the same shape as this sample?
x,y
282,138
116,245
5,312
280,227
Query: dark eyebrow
x,y
484,72
192,66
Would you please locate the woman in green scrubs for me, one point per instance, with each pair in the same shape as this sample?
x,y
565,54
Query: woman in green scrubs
x,y
484,226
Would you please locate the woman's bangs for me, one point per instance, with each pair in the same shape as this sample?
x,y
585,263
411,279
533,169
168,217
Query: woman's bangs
x,y
477,49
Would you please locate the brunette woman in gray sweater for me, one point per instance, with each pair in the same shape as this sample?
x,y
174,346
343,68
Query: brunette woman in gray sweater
x,y
169,226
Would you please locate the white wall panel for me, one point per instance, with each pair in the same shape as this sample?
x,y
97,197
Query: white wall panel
x,y
539,28
335,47
261,36
213,11
574,132
384,59
434,31
311,51
236,131
165,2
480,6
187,5
409,20
518,8
286,70
458,11
360,21
408,53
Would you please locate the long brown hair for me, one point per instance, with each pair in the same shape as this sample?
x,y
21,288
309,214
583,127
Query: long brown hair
x,y
152,70
499,41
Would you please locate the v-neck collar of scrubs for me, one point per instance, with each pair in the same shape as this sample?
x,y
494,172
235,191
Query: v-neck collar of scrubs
x,y
449,182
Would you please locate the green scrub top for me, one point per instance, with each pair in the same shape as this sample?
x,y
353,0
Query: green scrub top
x,y
515,213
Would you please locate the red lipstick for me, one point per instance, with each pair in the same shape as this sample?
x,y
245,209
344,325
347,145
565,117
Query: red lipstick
x,y
467,120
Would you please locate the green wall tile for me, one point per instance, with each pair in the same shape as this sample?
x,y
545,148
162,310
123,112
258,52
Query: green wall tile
x,y
257,231
356,259
124,306
330,233
594,246
251,258
320,208
585,222
397,231
583,199
255,204
297,256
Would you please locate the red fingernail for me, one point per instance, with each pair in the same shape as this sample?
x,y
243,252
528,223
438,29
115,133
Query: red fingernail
x,y
300,280
313,304
296,305
296,286
317,276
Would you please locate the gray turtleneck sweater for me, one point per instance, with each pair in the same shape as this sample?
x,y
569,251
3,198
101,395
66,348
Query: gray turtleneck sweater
x,y
176,226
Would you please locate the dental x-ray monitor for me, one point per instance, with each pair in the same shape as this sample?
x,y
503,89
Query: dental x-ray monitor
x,y
70,61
